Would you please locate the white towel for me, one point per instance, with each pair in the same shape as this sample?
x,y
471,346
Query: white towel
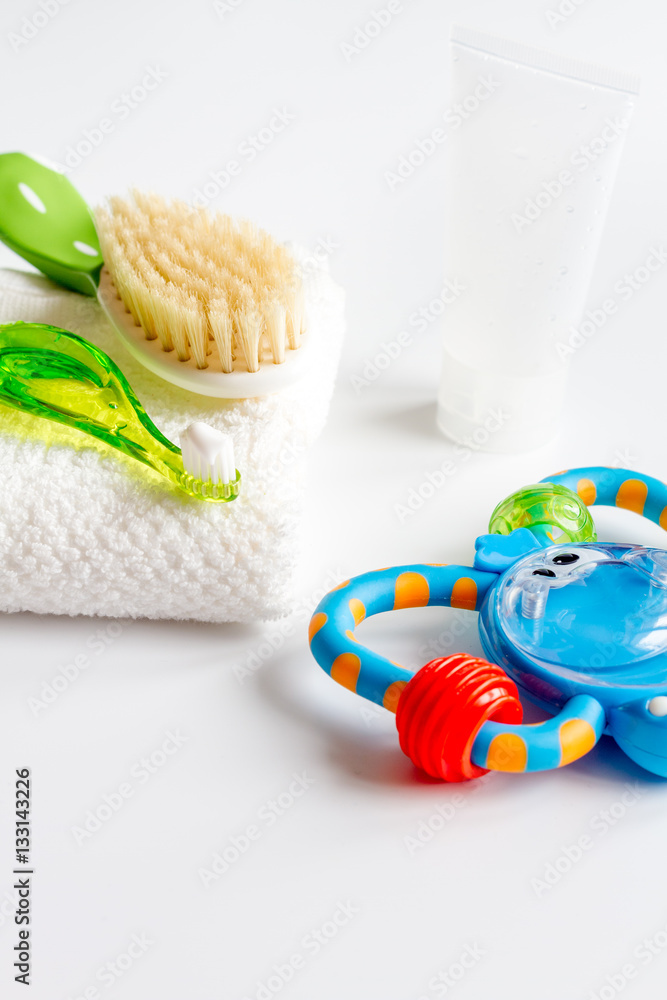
x,y
85,530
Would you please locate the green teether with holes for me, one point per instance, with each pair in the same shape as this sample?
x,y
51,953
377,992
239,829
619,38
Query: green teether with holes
x,y
45,220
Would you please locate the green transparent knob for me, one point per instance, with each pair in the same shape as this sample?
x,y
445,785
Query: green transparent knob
x,y
554,513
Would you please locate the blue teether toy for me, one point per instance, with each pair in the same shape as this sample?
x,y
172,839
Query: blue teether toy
x,y
577,624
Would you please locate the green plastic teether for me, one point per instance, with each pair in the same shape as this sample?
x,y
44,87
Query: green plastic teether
x,y
551,511
46,221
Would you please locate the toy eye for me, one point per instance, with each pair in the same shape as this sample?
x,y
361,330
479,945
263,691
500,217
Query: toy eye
x,y
565,558
543,572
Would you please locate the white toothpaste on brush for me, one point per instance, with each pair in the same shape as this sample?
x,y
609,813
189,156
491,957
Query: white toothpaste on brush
x,y
529,177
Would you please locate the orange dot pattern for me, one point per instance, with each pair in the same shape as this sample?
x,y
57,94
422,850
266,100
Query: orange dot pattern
x,y
632,495
464,594
544,745
411,591
345,670
587,490
577,737
317,622
507,752
392,694
358,610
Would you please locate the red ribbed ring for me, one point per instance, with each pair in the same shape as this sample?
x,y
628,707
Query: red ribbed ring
x,y
443,707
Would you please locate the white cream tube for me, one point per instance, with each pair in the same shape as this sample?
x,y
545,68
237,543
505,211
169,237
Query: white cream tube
x,y
529,176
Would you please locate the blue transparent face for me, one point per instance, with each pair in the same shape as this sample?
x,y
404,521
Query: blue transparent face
x,y
597,611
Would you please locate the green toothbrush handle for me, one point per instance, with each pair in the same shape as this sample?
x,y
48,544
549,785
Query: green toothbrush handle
x,y
55,374
44,219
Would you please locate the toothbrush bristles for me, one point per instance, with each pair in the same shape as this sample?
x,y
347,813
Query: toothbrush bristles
x,y
216,290
208,456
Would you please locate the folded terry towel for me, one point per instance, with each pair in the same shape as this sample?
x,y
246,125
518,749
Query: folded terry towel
x,y
86,530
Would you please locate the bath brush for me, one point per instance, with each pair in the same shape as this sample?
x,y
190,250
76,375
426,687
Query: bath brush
x,y
52,373
209,303
579,625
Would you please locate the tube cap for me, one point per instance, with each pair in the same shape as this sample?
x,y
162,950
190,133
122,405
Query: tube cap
x,y
493,411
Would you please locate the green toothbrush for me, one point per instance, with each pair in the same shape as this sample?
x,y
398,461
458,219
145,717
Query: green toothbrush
x,y
51,373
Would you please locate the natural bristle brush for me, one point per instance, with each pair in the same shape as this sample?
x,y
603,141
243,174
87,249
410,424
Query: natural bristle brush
x,y
52,373
206,302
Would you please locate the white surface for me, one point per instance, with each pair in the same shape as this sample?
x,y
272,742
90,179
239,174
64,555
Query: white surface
x,y
343,839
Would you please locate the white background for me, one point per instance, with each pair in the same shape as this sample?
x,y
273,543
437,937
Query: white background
x,y
343,840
